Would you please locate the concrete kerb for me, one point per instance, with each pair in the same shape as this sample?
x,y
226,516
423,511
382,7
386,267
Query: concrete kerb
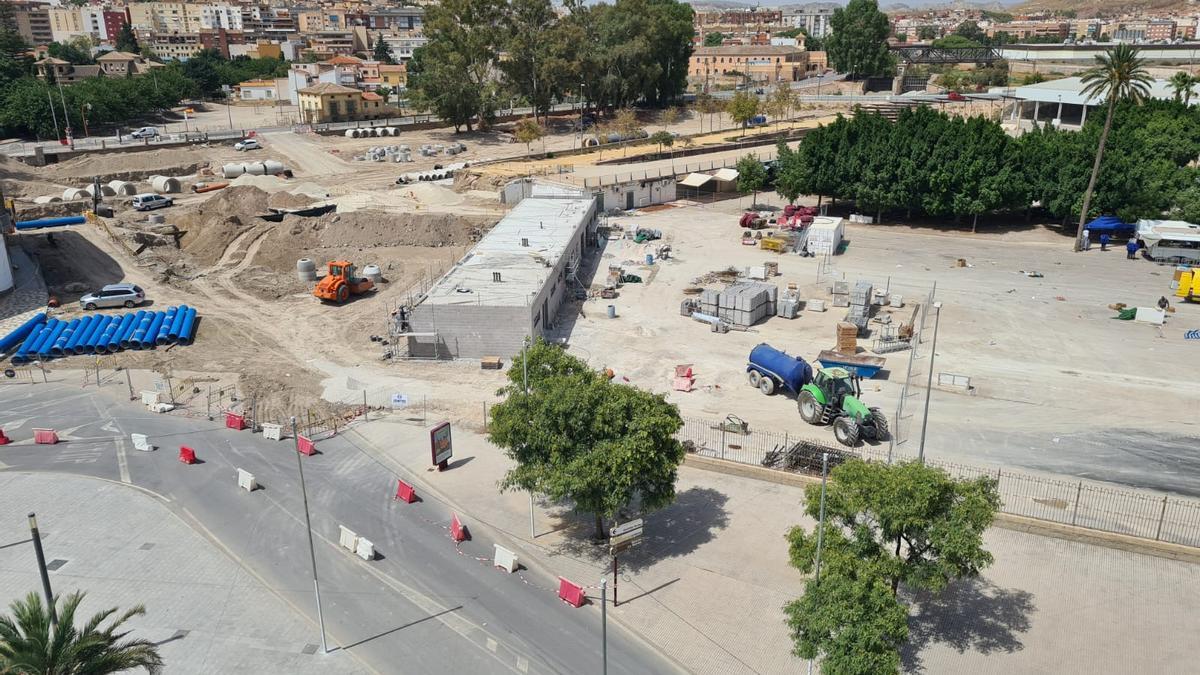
x,y
1112,540
532,550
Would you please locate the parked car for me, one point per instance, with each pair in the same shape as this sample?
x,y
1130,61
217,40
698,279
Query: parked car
x,y
955,96
145,132
247,144
148,202
114,295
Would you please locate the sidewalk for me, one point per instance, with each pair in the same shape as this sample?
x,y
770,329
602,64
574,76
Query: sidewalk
x,y
124,547
28,294
708,581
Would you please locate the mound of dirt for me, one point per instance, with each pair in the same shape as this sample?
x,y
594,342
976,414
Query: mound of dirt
x,y
361,231
209,227
132,165
287,200
18,179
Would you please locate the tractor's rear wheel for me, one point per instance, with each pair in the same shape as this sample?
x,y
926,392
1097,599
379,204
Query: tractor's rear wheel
x,y
754,378
846,431
879,421
810,410
343,294
766,385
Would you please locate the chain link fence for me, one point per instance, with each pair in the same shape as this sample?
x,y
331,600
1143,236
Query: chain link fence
x,y
1137,513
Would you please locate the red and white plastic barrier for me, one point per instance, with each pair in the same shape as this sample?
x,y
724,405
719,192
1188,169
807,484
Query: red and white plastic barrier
x,y
405,492
235,421
4,440
187,455
458,531
571,593
45,436
305,446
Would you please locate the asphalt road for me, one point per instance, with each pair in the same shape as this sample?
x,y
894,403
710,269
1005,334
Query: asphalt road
x,y
422,606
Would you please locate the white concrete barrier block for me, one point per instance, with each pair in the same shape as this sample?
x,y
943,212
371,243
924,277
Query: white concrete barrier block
x,y
505,559
272,432
246,480
140,442
347,539
150,398
365,549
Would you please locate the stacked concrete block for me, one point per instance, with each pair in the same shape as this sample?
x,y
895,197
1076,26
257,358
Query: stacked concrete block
x,y
841,294
860,305
747,303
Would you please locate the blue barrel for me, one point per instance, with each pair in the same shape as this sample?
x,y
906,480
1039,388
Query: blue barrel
x,y
151,333
68,336
188,327
114,340
102,340
43,335
44,350
177,323
86,334
22,332
126,340
88,345
160,338
649,258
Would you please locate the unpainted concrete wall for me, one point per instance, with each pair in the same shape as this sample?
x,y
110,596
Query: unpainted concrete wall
x,y
468,331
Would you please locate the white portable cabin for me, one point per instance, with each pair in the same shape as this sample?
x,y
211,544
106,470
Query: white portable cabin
x,y
1170,241
825,235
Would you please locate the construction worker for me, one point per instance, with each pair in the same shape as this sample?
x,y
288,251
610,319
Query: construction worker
x,y
1131,249
1104,239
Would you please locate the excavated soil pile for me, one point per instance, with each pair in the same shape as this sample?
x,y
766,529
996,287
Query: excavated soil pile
x,y
132,166
397,242
21,180
211,225
287,200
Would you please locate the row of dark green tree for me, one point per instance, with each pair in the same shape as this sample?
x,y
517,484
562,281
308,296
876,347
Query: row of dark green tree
x,y
615,54
927,163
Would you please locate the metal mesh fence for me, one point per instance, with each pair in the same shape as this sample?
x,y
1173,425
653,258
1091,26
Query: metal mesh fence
x,y
1137,513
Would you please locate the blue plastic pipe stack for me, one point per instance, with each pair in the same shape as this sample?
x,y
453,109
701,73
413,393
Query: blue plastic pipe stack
x,y
39,338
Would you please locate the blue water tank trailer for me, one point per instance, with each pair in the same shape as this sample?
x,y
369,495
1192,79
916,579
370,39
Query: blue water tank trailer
x,y
772,370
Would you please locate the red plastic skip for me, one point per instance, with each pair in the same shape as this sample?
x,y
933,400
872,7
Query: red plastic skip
x,y
187,455
235,421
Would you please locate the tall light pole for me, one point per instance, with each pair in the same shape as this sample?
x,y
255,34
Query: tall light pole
x,y
937,319
604,625
311,552
53,115
41,560
582,86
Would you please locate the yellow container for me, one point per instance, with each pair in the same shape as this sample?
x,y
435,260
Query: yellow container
x,y
1185,284
1195,283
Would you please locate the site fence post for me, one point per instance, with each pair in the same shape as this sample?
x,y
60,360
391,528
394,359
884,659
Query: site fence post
x,y
1075,513
1162,515
722,440
366,417
129,383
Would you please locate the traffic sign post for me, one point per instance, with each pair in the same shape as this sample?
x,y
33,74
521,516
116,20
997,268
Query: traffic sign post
x,y
621,537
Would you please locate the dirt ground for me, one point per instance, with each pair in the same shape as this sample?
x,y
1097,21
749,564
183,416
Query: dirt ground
x,y
1058,385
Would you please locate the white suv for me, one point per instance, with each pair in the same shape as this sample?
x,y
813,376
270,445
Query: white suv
x,y
144,132
147,202
247,144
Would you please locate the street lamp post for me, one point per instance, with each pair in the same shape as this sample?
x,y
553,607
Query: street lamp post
x,y
937,319
311,552
604,625
41,560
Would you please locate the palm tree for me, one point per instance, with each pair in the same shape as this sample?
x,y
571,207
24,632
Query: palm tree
x,y
29,645
1182,84
1119,74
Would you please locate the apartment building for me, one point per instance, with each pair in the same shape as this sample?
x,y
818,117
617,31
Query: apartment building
x,y
813,17
405,19
402,46
161,17
33,22
757,63
328,102
65,23
1160,30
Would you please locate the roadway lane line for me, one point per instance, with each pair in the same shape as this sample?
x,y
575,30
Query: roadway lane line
x,y
122,460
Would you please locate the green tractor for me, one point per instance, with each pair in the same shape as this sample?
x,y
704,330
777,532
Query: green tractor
x,y
834,396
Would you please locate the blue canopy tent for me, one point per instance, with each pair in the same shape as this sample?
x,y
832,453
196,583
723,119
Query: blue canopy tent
x,y
1110,224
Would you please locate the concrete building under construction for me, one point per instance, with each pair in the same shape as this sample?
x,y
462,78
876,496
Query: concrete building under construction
x,y
511,285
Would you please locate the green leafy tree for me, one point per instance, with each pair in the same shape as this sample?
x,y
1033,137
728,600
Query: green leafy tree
x,y
714,39
126,40
670,117
527,130
1119,74
538,62
456,74
742,108
382,52
790,178
858,45
30,644
779,104
956,41
707,104
752,176
386,92
577,436
662,138
971,31
926,33
885,525
1183,84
